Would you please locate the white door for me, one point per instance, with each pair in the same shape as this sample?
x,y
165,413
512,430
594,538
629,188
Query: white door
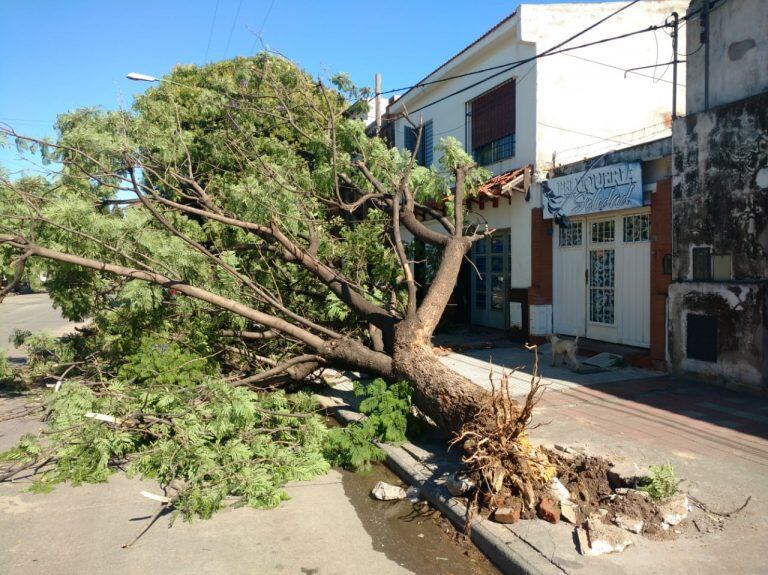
x,y
569,281
601,279
633,281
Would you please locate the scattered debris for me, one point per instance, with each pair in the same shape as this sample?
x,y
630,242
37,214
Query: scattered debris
x,y
459,485
509,514
569,512
706,509
629,523
604,538
102,417
548,510
413,494
558,491
627,474
387,492
605,360
154,497
675,509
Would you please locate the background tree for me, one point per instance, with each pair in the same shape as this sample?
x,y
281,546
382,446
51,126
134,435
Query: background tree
x,y
248,187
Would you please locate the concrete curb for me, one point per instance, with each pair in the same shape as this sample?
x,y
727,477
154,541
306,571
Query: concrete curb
x,y
505,550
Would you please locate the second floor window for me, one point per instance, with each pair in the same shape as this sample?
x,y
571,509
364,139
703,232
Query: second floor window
x,y
424,153
493,124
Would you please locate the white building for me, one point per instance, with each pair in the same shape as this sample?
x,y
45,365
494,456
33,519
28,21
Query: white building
x,y
552,110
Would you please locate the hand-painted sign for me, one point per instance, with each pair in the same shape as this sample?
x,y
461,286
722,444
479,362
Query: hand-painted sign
x,y
613,187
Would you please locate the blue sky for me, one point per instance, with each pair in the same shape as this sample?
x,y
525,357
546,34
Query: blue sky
x,y
61,55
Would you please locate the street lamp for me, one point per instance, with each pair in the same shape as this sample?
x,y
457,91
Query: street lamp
x,y
136,77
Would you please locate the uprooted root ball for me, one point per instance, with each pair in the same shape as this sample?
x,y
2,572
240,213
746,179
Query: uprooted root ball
x,y
497,452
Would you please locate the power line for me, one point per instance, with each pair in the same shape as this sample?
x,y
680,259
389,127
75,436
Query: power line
x,y
620,69
232,29
261,28
550,51
210,33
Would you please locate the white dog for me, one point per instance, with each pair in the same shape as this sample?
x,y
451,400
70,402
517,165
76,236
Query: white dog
x,y
566,348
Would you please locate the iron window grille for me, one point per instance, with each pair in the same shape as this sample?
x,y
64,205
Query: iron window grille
x,y
603,231
570,236
637,228
495,151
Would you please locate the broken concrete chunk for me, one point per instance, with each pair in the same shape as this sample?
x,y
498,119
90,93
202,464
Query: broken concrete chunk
x,y
605,538
629,523
583,540
569,512
548,510
459,485
387,492
509,514
558,491
675,509
626,474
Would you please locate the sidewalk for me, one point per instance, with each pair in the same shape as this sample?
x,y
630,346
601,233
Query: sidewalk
x,y
716,439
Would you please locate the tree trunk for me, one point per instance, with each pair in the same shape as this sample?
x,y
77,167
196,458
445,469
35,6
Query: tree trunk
x,y
448,398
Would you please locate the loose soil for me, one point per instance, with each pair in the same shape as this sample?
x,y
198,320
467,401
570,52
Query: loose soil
x,y
586,478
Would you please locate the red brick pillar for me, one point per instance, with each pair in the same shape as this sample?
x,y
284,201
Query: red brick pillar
x,y
661,245
540,291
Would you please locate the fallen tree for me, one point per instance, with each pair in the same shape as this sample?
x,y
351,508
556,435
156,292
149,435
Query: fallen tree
x,y
248,187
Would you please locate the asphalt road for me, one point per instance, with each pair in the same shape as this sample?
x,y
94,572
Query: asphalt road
x,y
33,312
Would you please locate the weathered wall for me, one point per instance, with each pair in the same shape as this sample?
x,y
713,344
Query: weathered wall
x,y
720,186
738,52
720,200
738,309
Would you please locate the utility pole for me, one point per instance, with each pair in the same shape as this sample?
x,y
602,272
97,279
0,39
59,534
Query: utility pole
x,y
704,39
377,103
675,31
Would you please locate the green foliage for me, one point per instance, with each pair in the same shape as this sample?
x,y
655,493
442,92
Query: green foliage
x,y
662,482
215,440
5,368
389,418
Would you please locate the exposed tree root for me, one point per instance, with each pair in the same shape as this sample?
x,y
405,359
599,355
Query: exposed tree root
x,y
498,455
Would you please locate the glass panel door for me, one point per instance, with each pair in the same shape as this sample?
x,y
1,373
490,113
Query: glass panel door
x,y
602,282
490,282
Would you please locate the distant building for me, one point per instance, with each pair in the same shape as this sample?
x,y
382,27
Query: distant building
x,y
717,301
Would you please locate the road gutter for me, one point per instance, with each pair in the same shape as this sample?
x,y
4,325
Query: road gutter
x,y
506,550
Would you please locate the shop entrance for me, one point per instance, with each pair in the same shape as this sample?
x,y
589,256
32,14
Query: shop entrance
x,y
601,283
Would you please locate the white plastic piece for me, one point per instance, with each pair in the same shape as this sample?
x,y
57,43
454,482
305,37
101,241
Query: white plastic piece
x,y
153,497
102,417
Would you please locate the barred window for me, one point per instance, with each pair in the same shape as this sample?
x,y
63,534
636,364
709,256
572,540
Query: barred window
x,y
493,124
570,236
603,231
637,228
